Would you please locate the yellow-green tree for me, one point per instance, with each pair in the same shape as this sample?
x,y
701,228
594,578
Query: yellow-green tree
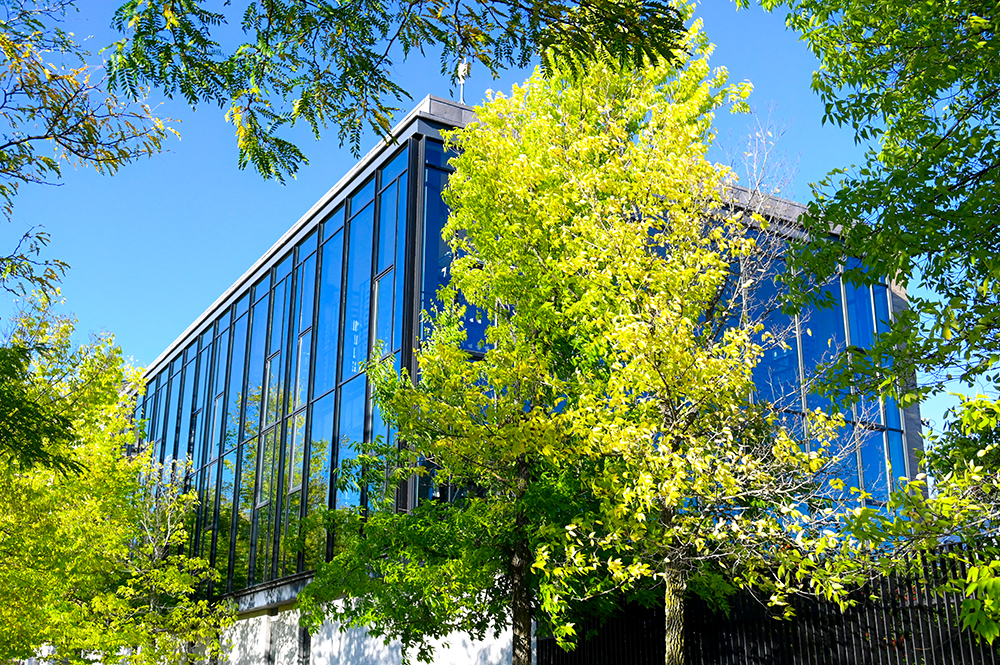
x,y
91,556
606,442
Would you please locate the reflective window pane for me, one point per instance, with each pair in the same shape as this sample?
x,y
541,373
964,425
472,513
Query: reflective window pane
x,y
244,513
437,254
398,164
383,313
301,376
351,433
388,218
358,296
328,323
822,340
255,373
307,292
873,465
897,455
318,488
227,486
363,196
235,394
307,245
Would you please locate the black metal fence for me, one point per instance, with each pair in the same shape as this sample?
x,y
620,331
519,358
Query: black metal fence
x,y
908,623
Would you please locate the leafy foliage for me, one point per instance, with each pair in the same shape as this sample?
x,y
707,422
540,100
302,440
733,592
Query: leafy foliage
x,y
49,100
918,84
606,442
91,560
325,63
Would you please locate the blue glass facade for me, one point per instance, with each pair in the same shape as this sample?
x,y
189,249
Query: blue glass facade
x,y
265,395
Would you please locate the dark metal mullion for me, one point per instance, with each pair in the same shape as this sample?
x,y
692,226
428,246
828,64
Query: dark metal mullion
x,y
410,330
372,315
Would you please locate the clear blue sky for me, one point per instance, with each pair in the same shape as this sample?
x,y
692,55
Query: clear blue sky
x,y
152,247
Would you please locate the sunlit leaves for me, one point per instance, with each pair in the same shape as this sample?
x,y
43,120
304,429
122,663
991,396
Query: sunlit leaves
x,y
91,549
330,64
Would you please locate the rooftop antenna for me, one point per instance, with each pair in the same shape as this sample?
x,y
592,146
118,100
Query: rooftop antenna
x,y
463,73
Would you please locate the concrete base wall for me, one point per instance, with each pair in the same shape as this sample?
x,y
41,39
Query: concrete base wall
x,y
277,639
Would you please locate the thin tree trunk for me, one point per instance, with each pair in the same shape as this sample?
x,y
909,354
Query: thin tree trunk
x,y
673,617
520,591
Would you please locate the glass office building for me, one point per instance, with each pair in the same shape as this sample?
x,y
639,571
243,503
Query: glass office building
x,y
265,394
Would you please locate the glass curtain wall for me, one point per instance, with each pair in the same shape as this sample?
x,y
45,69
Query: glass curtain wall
x,y
257,413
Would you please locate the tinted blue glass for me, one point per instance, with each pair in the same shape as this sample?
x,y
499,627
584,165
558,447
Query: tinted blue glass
x,y
262,287
242,305
897,454
874,466
227,497
822,340
859,315
328,322
277,338
351,433
301,375
880,296
218,427
204,365
318,487
362,197
255,375
170,425
208,502
219,366
187,404
435,154
388,218
398,164
198,440
892,419
334,222
272,399
437,254
159,415
776,376
307,292
307,245
358,296
283,269
235,392
861,324
383,313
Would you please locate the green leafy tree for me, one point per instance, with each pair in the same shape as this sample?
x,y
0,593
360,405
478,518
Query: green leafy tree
x,y
323,63
918,84
55,110
606,442
91,560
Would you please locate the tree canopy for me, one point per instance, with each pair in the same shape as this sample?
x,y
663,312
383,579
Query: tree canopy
x,y
323,63
91,553
918,84
602,440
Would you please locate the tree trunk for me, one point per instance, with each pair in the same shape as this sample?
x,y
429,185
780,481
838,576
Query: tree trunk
x,y
673,617
519,565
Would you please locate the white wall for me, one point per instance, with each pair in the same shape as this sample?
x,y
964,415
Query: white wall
x,y
277,640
